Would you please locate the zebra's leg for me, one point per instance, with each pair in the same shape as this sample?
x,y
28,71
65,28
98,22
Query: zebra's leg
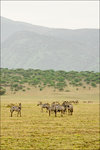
x,y
20,113
17,113
11,114
42,109
68,111
49,112
11,111
55,113
64,111
71,112
61,113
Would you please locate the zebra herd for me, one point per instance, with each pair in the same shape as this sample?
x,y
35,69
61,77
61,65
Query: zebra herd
x,y
57,107
54,107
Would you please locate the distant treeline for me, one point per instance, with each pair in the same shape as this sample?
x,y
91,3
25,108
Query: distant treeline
x,y
17,78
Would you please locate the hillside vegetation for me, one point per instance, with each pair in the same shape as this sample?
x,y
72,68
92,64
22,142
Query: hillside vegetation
x,y
17,79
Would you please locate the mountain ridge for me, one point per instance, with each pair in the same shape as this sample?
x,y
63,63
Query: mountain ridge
x,y
47,48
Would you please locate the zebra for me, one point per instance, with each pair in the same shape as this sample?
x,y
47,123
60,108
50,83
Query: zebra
x,y
45,105
56,108
65,104
68,106
17,109
70,109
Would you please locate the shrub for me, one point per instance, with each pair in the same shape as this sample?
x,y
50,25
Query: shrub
x,y
93,84
84,87
41,88
16,89
2,91
80,84
14,85
23,90
77,80
61,89
67,91
87,82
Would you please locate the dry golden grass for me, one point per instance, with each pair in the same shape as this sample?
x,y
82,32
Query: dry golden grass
x,y
37,131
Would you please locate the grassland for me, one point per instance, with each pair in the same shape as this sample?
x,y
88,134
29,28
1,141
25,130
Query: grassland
x,y
37,131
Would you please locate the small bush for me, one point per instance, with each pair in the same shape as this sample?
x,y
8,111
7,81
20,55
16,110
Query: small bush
x,y
16,89
93,84
61,89
23,90
41,88
67,91
2,91
87,82
84,87
77,89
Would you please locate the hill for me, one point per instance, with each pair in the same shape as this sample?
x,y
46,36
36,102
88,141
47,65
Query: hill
x,y
30,46
17,79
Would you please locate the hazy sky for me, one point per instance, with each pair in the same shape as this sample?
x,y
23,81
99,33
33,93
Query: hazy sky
x,y
60,14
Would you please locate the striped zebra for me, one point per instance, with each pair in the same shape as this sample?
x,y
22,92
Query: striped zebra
x,y
70,109
45,105
17,109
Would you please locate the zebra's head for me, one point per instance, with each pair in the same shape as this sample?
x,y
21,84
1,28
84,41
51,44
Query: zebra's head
x,y
20,105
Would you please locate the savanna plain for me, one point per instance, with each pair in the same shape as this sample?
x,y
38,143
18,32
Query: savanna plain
x,y
36,130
